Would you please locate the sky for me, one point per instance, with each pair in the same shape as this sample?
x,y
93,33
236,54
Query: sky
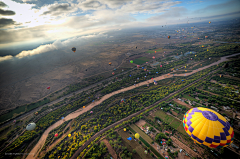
x,y
38,21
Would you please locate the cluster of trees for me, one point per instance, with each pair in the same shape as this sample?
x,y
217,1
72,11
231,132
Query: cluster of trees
x,y
98,151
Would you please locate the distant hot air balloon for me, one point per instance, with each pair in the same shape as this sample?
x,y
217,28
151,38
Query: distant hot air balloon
x,y
110,63
130,138
155,52
31,126
145,151
138,66
83,106
56,135
207,127
206,37
137,136
14,121
113,73
69,135
36,113
74,49
62,117
169,37
153,57
91,112
48,87
146,62
209,22
124,129
131,61
160,65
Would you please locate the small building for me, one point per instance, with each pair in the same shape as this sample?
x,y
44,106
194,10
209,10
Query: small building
x,y
238,117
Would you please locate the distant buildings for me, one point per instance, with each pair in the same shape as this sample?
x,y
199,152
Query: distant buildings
x,y
226,108
216,109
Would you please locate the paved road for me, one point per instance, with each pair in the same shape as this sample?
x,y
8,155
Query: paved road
x,y
80,111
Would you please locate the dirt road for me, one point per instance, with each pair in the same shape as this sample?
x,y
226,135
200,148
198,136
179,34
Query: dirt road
x,y
110,149
34,152
182,103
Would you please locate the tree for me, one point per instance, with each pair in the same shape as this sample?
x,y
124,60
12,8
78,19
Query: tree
x,y
151,129
134,151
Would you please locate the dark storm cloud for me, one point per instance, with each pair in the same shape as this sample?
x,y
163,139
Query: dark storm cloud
x,y
91,4
39,3
7,12
5,22
58,9
2,5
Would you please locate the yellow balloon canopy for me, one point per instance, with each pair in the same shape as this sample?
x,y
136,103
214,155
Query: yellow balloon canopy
x,y
83,106
124,129
207,127
69,135
137,136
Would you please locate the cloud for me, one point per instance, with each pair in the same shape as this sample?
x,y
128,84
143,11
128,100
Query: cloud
x,y
2,5
58,44
6,22
8,57
56,9
230,6
173,14
7,12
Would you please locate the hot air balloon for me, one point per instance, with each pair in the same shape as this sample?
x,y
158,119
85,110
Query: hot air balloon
x,y
130,138
155,52
123,100
137,136
138,66
206,37
91,112
36,113
74,49
145,151
146,62
62,117
136,47
142,67
207,127
48,87
110,63
202,45
92,100
182,80
114,69
131,61
83,106
31,126
195,55
153,57
124,129
209,22
145,69
160,65
69,135
14,121
56,135
130,75
113,73
156,72
185,70
169,37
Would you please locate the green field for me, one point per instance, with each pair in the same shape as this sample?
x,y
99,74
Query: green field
x,y
21,110
160,114
133,145
153,51
190,98
168,119
146,143
141,133
182,130
141,60
175,123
